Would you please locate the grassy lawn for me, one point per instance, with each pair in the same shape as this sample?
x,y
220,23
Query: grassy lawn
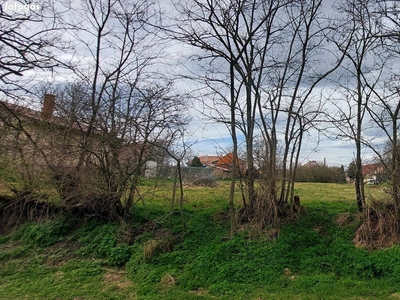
x,y
164,255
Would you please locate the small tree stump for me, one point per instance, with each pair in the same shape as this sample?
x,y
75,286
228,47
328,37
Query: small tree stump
x,y
296,204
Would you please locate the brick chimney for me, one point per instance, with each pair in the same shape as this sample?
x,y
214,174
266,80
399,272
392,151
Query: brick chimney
x,y
48,106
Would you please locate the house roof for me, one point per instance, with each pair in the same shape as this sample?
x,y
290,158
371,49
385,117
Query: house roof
x,y
371,168
208,159
227,160
38,116
22,110
221,162
311,163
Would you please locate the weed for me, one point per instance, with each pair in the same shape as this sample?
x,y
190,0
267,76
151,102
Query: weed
x,y
119,255
100,240
168,280
46,233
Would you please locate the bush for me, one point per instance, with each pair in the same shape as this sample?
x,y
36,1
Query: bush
x,y
321,173
380,228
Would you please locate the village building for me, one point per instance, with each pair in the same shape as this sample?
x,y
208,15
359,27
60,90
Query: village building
x,y
43,138
222,165
372,173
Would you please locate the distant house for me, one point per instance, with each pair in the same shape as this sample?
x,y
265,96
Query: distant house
x,y
225,162
222,165
372,172
208,160
22,127
311,163
151,169
59,138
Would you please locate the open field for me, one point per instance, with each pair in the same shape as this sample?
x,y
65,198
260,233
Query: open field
x,y
164,255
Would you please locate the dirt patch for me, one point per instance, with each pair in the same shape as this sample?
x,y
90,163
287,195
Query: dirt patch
x,y
221,216
10,245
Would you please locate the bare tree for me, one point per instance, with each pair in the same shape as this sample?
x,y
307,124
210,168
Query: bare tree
x,y
30,40
384,108
114,110
361,28
127,133
290,96
235,38
124,106
267,51
385,113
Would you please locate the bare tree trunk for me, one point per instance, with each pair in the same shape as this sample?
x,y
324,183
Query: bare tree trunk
x,y
395,165
359,179
180,180
232,211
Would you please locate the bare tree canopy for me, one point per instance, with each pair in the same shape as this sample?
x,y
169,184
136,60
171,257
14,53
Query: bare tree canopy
x,y
30,39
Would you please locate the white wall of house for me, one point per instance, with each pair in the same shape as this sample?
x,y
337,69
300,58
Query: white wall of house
x,y
151,169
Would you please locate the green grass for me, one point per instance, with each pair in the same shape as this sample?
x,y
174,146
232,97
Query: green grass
x,y
156,257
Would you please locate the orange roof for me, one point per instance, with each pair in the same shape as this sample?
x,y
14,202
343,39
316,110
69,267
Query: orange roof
x,y
208,160
227,160
222,162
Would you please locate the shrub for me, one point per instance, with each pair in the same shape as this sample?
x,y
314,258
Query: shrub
x,y
380,229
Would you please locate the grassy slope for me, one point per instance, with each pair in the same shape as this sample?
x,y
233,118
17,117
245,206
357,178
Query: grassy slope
x,y
312,259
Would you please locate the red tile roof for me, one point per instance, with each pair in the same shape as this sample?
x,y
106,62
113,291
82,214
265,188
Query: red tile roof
x,y
208,160
225,162
368,169
222,162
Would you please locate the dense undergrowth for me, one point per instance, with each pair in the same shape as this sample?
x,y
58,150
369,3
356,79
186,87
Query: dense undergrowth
x,y
156,257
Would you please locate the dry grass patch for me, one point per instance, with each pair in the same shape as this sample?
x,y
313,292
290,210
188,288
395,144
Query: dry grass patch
x,y
348,218
380,229
168,280
117,278
162,244
257,233
60,253
201,292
